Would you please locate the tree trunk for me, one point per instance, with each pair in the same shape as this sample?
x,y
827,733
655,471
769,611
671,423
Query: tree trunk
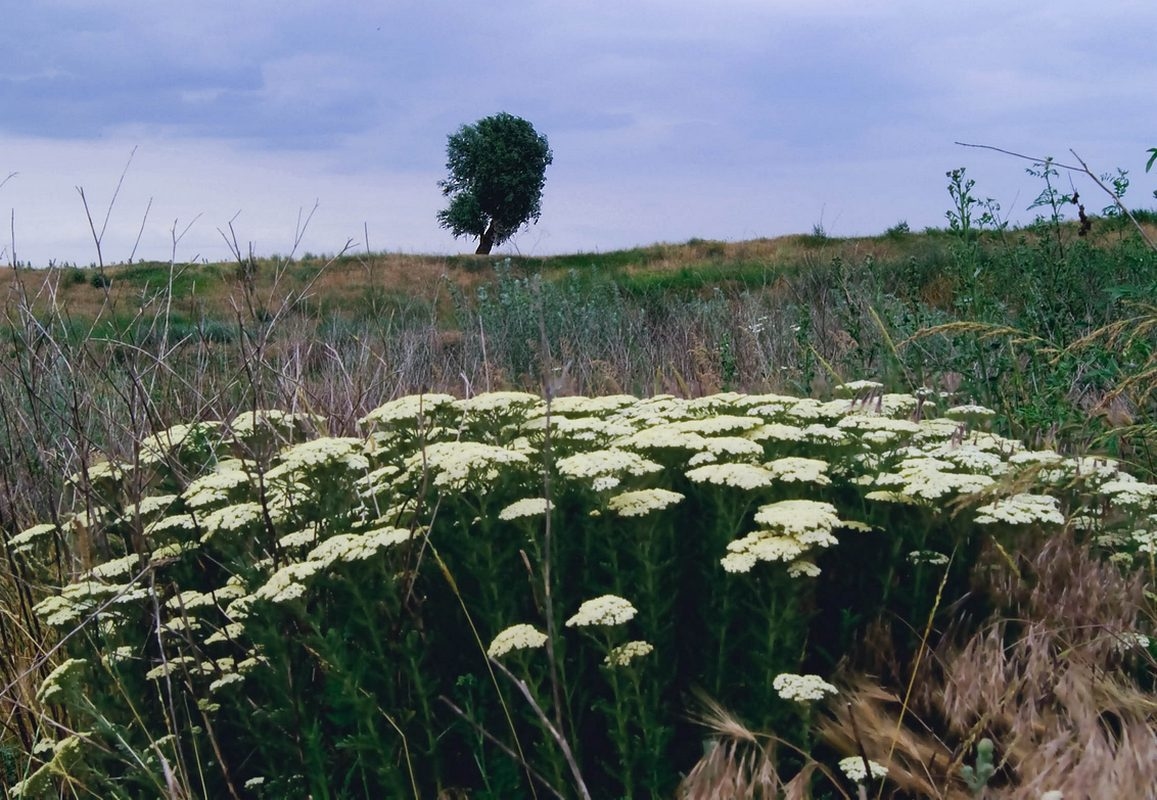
x,y
486,241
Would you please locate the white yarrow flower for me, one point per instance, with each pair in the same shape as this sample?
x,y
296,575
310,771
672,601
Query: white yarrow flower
x,y
499,402
1021,509
516,637
794,469
407,409
858,388
739,476
215,487
642,502
526,507
624,654
609,462
803,569
928,557
329,451
58,681
969,412
853,767
799,517
607,609
802,688
27,538
455,464
1130,493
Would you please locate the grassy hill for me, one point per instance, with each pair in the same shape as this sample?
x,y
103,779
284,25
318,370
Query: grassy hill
x,y
349,285
795,312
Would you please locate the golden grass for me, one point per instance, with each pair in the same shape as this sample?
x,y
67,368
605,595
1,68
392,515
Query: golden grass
x,y
1046,679
741,765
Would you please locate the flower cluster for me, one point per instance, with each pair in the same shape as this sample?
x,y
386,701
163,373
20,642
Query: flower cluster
x,y
455,465
516,637
853,767
409,409
61,680
607,609
794,469
624,654
802,688
1021,509
270,528
738,476
526,507
28,538
642,502
610,462
217,487
347,452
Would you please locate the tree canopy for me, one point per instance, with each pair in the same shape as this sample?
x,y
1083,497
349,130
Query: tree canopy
x,y
497,170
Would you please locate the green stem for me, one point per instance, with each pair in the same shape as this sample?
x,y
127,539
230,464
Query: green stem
x,y
622,730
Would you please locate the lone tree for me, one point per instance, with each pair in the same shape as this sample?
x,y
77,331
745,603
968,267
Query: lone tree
x,y
497,170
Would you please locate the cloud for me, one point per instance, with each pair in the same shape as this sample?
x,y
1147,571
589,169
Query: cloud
x,y
668,118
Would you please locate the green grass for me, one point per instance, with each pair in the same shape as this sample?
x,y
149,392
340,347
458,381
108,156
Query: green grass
x,y
691,279
154,277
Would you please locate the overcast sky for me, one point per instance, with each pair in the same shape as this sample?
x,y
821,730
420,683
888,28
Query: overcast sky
x,y
669,119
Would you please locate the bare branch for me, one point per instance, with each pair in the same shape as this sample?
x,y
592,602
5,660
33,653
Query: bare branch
x,y
1084,169
141,232
490,737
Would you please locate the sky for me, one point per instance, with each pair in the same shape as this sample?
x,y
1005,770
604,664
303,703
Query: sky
x,y
301,126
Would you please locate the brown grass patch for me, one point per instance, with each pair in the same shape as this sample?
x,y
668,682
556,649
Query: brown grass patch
x,y
741,765
1050,679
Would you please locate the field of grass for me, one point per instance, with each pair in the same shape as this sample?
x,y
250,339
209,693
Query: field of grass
x,y
394,525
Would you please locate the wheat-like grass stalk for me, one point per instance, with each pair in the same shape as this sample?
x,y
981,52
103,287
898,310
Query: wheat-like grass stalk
x,y
741,764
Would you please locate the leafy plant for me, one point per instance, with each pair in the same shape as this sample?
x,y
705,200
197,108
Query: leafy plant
x,y
964,218
406,611
898,231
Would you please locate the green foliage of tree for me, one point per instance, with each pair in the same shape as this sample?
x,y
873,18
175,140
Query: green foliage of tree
x,y
497,170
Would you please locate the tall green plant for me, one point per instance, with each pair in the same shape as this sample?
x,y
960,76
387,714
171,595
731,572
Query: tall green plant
x,y
371,615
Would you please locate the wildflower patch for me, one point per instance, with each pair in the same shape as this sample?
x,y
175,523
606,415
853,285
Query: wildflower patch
x,y
331,603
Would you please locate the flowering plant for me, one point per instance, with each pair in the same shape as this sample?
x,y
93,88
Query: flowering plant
x,y
352,606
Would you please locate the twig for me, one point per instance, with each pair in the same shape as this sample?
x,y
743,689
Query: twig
x,y
490,664
490,737
555,733
116,192
141,232
1084,169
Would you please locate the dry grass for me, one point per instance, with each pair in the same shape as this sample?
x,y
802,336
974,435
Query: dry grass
x,y
342,284
741,764
420,278
1047,679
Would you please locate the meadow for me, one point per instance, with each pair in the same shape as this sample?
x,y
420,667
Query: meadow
x,y
801,517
